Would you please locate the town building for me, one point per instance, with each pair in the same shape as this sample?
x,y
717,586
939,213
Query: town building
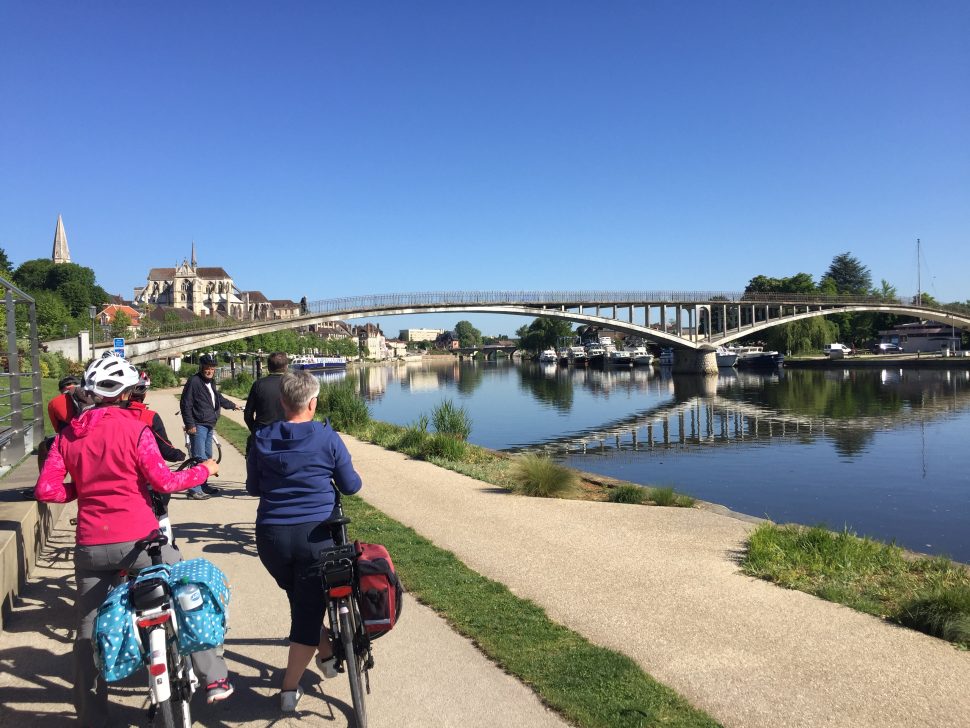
x,y
332,330
106,317
371,337
205,291
922,336
420,334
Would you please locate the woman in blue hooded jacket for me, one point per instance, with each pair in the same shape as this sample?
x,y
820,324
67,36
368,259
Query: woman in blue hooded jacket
x,y
290,468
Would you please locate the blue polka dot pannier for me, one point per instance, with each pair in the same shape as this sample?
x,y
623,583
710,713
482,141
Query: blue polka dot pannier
x,y
203,627
118,649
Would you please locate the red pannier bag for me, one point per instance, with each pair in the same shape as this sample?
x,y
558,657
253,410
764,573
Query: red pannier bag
x,y
381,593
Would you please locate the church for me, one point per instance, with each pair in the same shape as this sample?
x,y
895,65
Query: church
x,y
203,291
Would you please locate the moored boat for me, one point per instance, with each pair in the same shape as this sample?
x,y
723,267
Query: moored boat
x,y
726,357
318,363
595,354
755,357
666,357
577,356
641,356
618,358
548,356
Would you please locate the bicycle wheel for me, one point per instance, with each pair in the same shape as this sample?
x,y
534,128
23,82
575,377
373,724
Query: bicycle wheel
x,y
173,713
352,663
217,452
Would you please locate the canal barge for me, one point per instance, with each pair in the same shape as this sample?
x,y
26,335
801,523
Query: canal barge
x,y
306,362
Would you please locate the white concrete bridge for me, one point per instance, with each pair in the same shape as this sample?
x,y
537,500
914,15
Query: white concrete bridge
x,y
693,323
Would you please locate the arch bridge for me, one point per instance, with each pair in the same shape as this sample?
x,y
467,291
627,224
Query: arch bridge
x,y
693,323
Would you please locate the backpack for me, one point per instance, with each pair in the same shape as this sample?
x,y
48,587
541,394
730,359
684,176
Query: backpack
x,y
203,627
381,592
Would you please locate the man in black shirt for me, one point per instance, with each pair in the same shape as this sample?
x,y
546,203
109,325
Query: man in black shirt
x,y
263,405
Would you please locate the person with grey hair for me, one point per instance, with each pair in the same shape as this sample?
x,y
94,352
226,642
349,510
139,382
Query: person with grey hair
x,y
290,468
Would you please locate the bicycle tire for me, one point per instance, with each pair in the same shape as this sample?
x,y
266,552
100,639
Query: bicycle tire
x,y
172,714
353,665
217,452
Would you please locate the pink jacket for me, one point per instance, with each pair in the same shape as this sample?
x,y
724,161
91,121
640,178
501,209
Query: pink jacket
x,y
112,458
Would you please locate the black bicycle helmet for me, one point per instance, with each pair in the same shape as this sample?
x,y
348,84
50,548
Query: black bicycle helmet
x,y
206,360
70,381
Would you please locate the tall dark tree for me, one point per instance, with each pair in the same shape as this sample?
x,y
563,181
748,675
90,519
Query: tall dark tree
x,y
468,335
6,269
543,333
849,275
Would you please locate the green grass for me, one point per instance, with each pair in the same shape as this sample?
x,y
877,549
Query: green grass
x,y
589,685
541,477
929,594
667,497
232,433
627,493
451,420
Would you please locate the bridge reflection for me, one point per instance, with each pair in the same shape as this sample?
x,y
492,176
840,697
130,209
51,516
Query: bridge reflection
x,y
846,406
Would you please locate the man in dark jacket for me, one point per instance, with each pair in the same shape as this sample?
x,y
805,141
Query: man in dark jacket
x,y
263,405
200,406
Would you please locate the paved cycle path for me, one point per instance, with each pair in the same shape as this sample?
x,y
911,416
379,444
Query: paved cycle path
x,y
426,675
663,586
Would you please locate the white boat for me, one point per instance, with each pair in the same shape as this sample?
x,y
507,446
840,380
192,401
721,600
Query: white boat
x,y
318,363
755,357
618,358
548,356
595,354
577,356
726,357
641,357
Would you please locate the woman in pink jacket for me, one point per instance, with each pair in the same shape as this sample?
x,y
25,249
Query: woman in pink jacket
x,y
113,459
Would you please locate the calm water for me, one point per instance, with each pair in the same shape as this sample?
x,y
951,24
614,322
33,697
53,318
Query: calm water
x,y
886,453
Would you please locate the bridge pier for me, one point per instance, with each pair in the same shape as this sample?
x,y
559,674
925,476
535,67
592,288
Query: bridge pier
x,y
689,361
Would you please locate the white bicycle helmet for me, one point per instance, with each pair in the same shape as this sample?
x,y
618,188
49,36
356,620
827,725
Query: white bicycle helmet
x,y
109,377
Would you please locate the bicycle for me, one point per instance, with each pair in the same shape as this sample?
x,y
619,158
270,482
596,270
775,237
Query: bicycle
x,y
349,640
171,678
216,445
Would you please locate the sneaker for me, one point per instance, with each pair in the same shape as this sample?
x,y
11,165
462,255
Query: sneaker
x,y
211,489
196,495
218,690
289,699
328,666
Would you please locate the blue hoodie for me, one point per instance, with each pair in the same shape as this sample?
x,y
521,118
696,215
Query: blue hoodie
x,y
290,467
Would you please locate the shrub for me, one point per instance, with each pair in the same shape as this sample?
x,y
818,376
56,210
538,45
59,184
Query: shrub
x,y
238,385
444,446
628,493
451,420
53,365
384,434
412,440
161,374
539,476
339,402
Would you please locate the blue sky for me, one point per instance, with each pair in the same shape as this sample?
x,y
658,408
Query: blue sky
x,y
326,150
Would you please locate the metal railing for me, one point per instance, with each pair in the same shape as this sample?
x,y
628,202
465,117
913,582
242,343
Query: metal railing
x,y
21,404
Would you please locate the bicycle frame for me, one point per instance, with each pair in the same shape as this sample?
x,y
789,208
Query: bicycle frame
x,y
171,678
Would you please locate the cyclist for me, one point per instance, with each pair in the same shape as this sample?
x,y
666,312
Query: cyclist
x,y
112,458
60,410
151,418
290,468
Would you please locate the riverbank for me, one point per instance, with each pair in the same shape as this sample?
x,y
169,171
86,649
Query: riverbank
x,y
881,361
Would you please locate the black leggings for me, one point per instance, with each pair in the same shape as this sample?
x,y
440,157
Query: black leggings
x,y
289,553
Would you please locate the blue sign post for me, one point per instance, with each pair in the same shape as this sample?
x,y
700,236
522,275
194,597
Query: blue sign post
x,y
119,346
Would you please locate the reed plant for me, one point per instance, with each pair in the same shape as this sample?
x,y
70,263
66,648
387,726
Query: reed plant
x,y
443,447
539,476
341,404
451,420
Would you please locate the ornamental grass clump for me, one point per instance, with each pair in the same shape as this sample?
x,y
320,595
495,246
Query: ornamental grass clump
x,y
443,447
943,613
667,497
540,477
451,420
627,493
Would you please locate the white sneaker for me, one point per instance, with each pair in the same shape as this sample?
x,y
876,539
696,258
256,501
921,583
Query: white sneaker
x,y
289,699
327,667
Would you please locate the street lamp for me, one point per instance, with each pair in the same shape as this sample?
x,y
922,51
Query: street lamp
x,y
93,311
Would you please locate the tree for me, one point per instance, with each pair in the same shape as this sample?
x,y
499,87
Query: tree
x,y
120,324
798,283
543,333
468,335
6,269
849,275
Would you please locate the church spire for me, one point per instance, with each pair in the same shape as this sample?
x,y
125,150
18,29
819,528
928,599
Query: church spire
x,y
61,254
194,264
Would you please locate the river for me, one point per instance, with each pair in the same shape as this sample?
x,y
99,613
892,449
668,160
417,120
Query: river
x,y
883,452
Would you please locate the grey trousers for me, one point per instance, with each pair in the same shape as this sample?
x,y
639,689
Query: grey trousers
x,y
96,571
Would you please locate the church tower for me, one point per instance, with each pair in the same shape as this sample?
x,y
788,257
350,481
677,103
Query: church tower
x,y
61,254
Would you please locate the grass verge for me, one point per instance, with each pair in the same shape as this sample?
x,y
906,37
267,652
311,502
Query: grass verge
x,y
929,594
589,685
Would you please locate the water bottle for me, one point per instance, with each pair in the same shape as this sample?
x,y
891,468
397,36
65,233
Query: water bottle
x,y
189,597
